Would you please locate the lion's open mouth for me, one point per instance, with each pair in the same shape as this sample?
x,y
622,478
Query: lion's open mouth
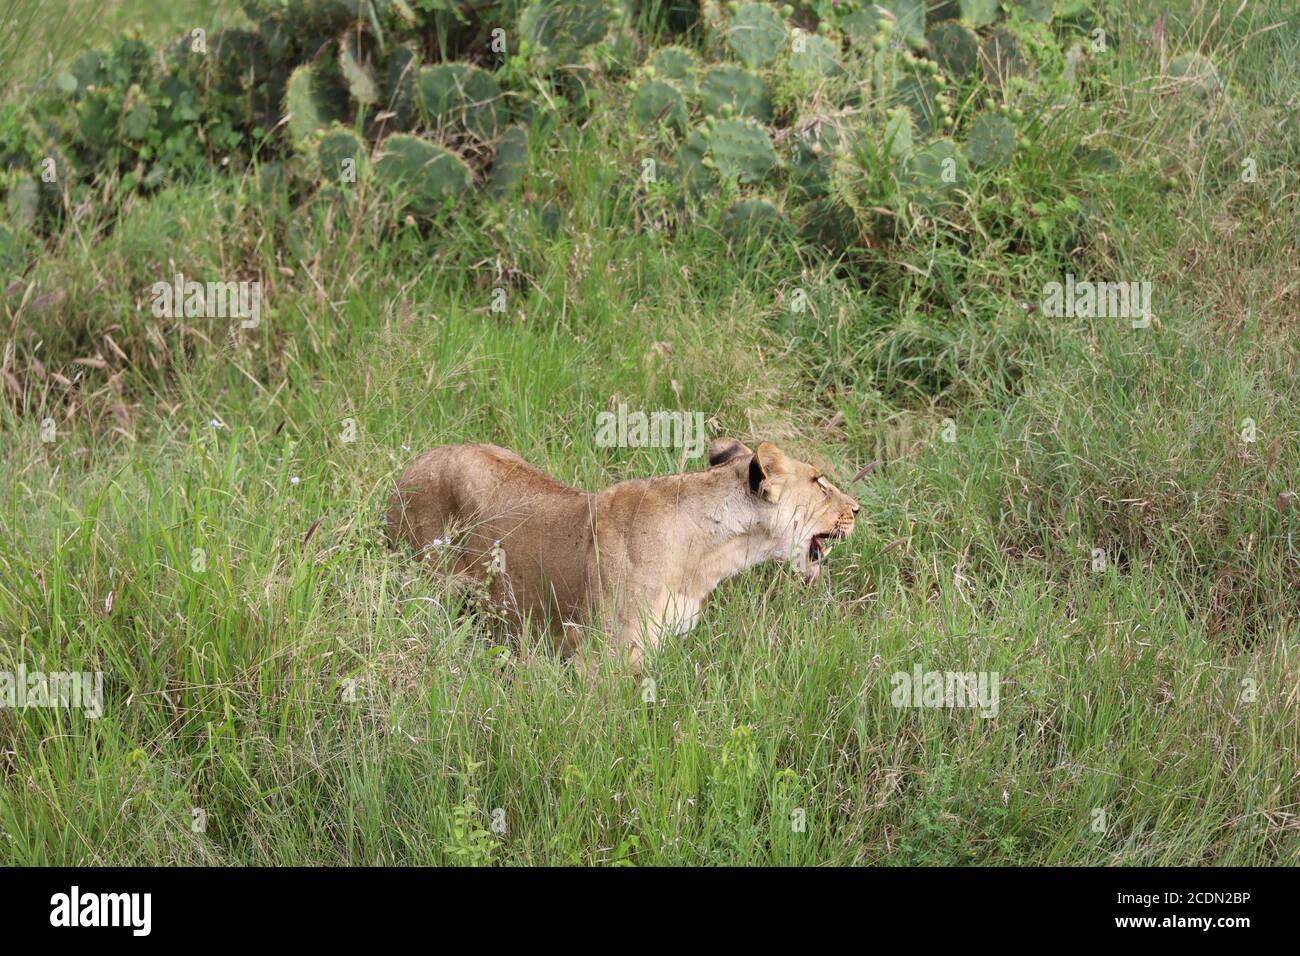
x,y
819,545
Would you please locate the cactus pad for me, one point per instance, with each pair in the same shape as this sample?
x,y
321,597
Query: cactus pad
x,y
678,65
817,141
955,48
338,151
659,103
861,25
357,62
932,175
1039,10
992,141
816,55
562,28
510,162
752,221
688,166
910,18
463,98
730,88
312,102
756,34
1001,57
422,175
831,225
740,149
24,202
401,86
979,13
920,94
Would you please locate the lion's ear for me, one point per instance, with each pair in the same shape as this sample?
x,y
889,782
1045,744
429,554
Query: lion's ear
x,y
767,462
724,449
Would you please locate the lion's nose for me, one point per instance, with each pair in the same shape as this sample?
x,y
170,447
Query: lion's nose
x,y
855,506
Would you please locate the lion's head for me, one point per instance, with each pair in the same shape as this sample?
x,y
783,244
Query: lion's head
x,y
800,510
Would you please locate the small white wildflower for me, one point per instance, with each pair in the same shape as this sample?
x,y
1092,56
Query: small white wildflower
x,y
294,480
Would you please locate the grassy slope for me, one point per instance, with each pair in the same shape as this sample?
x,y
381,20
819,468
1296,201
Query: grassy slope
x,y
1122,690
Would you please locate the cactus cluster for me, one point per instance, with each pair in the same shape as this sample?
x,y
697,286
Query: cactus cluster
x,y
885,82
747,96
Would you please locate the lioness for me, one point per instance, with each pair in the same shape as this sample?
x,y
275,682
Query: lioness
x,y
638,558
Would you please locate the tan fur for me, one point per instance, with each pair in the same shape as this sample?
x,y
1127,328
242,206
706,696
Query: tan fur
x,y
638,558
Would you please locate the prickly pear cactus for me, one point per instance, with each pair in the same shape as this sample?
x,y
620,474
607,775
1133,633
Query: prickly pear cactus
x,y
955,48
88,70
423,176
817,140
509,164
752,222
756,34
909,16
678,65
237,59
401,85
830,225
814,55
690,166
341,156
861,26
898,133
561,29
932,175
312,102
272,184
460,97
1039,10
921,94
740,149
357,55
992,141
1001,57
979,13
24,203
730,90
659,103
